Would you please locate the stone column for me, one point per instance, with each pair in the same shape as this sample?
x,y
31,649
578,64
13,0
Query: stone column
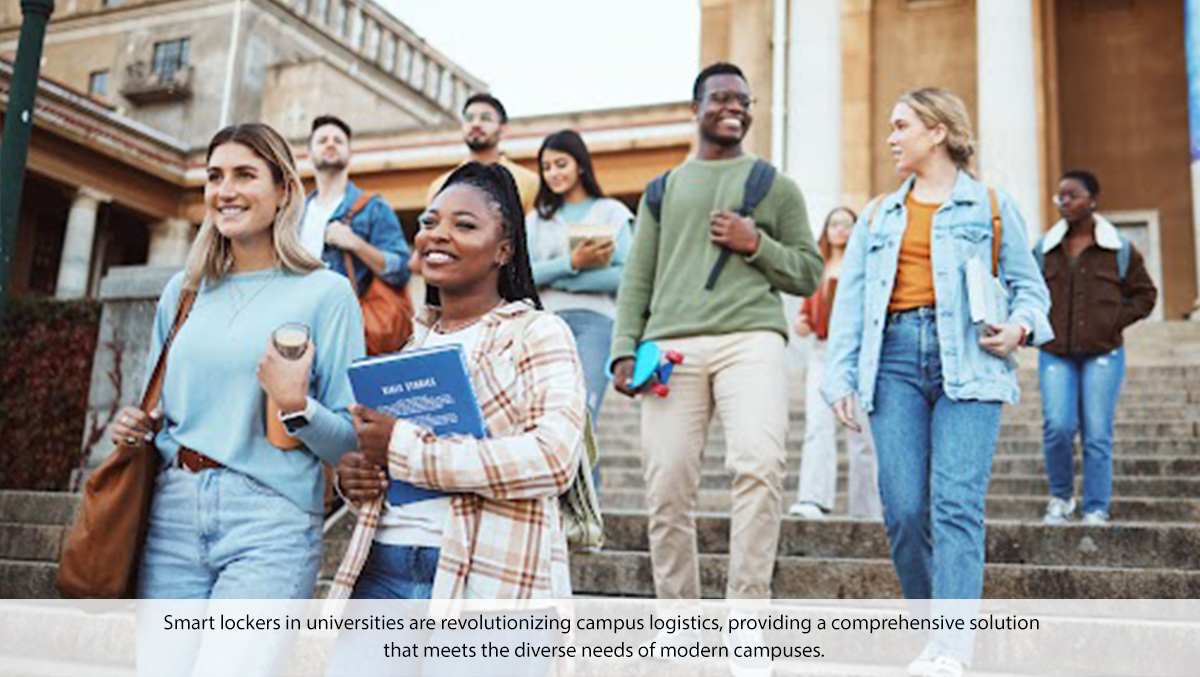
x,y
1192,43
169,242
814,105
1007,125
76,261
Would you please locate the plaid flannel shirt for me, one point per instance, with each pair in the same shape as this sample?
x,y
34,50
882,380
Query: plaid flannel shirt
x,y
504,539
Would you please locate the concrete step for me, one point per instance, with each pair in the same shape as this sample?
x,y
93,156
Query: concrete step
x,y
38,507
1009,430
629,573
1001,484
628,452
1124,508
27,580
1133,546
31,542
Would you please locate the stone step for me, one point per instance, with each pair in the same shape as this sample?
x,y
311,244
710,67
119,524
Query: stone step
x,y
1132,546
1124,509
31,542
27,580
38,507
626,451
629,573
1001,484
1009,430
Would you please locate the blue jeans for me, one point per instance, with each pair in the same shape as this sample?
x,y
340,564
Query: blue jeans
x,y
221,535
1080,390
392,572
593,338
935,461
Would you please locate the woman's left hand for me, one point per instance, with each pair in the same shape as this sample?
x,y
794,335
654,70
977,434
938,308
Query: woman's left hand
x,y
284,380
1004,339
374,431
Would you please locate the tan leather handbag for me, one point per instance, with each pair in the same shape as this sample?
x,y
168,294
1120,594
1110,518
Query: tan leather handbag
x,y
101,556
387,312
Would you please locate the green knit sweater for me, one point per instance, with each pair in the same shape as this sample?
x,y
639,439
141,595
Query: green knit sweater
x,y
662,291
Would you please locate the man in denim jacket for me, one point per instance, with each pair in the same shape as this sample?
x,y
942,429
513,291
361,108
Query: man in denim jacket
x,y
373,237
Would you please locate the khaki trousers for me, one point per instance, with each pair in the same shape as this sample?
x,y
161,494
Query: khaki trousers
x,y
744,377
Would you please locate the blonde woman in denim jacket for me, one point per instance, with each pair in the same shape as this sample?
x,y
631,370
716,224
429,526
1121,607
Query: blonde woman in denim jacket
x,y
902,346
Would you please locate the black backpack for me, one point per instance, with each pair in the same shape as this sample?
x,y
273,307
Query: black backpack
x,y
762,176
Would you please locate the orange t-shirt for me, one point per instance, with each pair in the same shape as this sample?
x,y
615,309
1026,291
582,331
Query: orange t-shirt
x,y
914,271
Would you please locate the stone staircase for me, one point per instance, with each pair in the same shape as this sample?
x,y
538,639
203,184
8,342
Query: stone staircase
x,y
1150,550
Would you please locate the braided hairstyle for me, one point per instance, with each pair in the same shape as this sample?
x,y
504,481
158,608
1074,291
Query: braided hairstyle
x,y
516,276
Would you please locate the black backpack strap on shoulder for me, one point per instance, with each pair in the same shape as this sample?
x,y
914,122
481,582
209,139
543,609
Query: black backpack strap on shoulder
x,y
656,192
758,184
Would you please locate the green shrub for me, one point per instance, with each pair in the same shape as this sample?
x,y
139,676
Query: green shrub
x,y
46,350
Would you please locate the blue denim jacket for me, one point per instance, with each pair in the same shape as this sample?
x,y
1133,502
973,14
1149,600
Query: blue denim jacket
x,y
962,229
378,225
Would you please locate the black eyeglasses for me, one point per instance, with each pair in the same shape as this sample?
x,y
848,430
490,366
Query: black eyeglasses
x,y
727,98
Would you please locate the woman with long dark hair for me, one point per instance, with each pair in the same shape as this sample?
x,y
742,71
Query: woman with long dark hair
x,y
578,240
499,534
902,344
235,516
818,467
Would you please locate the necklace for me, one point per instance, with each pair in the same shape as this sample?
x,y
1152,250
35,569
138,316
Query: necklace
x,y
440,328
238,308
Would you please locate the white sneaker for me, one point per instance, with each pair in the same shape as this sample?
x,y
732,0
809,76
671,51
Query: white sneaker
x,y
923,663
806,510
944,666
1095,519
1058,511
675,640
741,640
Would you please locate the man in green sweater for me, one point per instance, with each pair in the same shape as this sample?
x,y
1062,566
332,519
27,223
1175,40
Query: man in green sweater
x,y
732,337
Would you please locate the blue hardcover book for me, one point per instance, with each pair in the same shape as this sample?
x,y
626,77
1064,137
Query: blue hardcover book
x,y
430,387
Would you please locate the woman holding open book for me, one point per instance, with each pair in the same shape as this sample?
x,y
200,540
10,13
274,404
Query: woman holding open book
x,y
234,515
902,345
498,534
578,240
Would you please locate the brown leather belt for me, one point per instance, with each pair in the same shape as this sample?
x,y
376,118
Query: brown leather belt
x,y
196,461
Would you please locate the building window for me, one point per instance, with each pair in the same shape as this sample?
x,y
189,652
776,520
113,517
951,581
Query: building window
x,y
98,83
418,71
110,3
170,57
404,68
322,11
356,28
301,7
371,41
341,22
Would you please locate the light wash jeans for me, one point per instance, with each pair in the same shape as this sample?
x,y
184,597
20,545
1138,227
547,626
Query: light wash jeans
x,y
1080,391
819,465
392,572
593,339
220,534
935,461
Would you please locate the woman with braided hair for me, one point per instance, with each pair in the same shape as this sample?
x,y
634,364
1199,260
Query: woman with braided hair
x,y
498,535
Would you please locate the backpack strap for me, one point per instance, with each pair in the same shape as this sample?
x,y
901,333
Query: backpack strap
x,y
1123,256
997,231
360,204
758,184
656,192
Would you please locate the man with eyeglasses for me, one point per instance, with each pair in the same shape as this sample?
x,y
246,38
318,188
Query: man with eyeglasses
x,y
728,322
484,124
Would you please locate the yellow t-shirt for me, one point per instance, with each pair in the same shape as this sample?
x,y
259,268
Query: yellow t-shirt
x,y
527,183
914,271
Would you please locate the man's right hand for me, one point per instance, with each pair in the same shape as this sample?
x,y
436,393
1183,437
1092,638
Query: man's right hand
x,y
802,327
623,374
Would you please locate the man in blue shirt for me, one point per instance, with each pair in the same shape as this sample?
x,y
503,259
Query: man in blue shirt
x,y
373,236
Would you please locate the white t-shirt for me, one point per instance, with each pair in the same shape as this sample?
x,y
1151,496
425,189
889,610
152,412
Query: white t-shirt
x,y
423,522
316,217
